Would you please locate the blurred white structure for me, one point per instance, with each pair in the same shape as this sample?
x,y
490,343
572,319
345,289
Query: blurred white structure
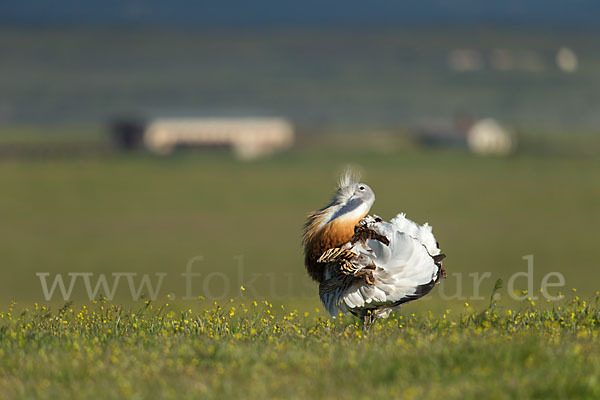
x,y
486,136
465,60
508,60
566,60
248,137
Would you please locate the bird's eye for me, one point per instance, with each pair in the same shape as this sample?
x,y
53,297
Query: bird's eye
x,y
361,188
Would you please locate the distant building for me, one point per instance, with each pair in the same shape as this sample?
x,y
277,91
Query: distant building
x,y
487,136
510,60
483,136
248,137
566,60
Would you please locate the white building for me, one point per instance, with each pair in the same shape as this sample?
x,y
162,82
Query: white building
x,y
248,137
487,136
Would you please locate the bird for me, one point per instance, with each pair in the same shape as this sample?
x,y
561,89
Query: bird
x,y
363,264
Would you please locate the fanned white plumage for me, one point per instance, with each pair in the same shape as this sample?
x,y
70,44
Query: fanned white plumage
x,y
404,269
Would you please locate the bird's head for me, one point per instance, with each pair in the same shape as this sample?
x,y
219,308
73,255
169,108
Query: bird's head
x,y
352,194
351,202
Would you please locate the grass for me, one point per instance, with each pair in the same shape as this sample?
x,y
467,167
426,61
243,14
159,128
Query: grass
x,y
109,213
143,214
101,350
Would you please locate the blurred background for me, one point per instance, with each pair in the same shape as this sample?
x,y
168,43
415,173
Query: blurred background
x,y
137,135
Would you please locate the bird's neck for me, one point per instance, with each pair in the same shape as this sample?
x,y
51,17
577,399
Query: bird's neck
x,y
334,233
338,231
340,227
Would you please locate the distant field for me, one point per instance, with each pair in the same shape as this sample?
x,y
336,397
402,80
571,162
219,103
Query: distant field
x,y
334,77
112,213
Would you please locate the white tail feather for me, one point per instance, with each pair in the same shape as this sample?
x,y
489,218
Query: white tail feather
x,y
402,267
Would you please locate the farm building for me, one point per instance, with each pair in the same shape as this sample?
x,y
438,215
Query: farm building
x,y
487,136
248,137
484,136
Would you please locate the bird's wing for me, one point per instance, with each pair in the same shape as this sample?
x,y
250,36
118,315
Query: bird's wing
x,y
406,269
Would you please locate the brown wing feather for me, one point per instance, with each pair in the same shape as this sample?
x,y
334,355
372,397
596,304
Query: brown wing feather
x,y
336,254
321,236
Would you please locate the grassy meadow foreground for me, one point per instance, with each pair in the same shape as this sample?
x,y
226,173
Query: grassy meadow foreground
x,y
240,224
101,350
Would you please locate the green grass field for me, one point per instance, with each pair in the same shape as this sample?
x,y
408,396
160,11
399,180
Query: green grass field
x,y
112,213
143,214
258,351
